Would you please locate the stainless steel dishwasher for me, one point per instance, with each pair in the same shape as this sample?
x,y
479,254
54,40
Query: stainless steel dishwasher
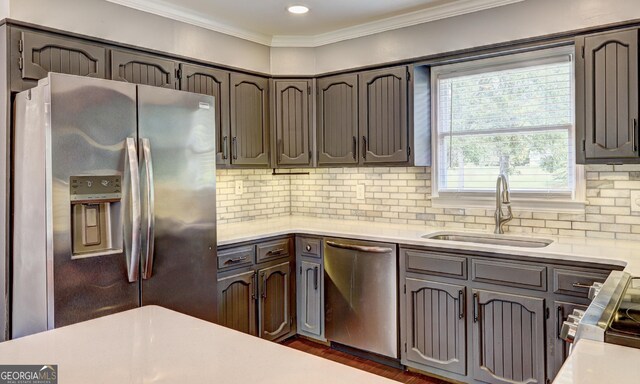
x,y
361,298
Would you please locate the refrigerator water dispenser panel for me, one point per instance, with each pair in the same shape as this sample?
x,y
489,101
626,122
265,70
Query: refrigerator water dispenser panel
x,y
95,215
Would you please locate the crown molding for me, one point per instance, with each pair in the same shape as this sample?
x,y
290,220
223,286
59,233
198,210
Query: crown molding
x,y
160,8
439,12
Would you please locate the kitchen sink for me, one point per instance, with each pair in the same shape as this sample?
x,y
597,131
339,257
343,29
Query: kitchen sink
x,y
511,241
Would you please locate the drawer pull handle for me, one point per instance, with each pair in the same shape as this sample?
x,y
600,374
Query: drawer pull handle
x,y
235,260
580,285
559,321
308,248
315,278
275,251
460,304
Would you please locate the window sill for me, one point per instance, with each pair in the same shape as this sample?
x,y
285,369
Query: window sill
x,y
537,205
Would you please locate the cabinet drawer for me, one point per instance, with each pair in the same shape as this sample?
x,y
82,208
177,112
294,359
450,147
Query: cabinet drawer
x,y
273,250
436,264
575,283
309,247
236,257
510,274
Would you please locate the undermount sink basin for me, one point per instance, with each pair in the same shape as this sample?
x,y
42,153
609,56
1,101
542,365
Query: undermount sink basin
x,y
511,241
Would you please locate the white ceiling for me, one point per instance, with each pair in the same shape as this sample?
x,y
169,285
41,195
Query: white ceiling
x,y
268,22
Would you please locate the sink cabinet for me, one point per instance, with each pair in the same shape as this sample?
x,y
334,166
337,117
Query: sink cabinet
x,y
480,317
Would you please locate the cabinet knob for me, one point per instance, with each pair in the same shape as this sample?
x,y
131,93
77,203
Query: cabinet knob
x,y
308,248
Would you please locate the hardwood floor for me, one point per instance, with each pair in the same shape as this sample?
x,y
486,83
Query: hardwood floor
x,y
313,348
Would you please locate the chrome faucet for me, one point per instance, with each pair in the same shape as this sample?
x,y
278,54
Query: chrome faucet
x,y
502,199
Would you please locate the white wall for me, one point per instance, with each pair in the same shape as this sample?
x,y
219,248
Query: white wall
x,y
106,20
4,9
516,21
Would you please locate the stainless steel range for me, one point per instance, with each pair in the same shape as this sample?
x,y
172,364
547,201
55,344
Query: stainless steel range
x,y
613,316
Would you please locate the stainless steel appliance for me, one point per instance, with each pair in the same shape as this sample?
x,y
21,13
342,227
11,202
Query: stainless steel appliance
x,y
114,202
613,315
361,297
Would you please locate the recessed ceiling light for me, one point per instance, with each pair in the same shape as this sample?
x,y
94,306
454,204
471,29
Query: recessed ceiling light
x,y
298,9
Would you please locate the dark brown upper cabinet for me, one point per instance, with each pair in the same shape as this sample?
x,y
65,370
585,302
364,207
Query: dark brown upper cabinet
x,y
607,98
36,54
136,68
337,120
212,82
249,120
290,143
384,116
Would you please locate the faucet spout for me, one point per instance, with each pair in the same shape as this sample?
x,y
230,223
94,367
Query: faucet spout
x,y
502,200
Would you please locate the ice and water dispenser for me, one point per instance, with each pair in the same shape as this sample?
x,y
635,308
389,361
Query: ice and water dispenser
x,y
95,215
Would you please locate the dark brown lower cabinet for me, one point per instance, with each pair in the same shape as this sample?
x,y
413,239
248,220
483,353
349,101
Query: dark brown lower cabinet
x,y
236,302
508,338
436,334
274,308
309,296
560,348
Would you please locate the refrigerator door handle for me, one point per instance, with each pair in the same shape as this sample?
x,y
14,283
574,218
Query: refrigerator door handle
x,y
131,201
147,263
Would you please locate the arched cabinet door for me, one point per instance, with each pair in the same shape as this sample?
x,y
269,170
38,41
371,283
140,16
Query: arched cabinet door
x,y
212,82
508,338
136,68
607,97
237,302
291,132
41,53
274,307
384,116
249,120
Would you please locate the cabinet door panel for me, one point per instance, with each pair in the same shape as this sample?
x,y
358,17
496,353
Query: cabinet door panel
x,y
560,347
41,53
384,128
249,120
237,302
436,325
309,297
292,122
508,338
611,95
275,318
142,69
337,113
213,82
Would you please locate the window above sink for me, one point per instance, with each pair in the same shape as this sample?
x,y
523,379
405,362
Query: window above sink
x,y
512,114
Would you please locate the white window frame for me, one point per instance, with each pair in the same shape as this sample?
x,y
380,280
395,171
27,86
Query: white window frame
x,y
574,203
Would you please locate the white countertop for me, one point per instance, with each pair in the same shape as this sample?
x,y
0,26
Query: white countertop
x,y
155,345
593,362
604,251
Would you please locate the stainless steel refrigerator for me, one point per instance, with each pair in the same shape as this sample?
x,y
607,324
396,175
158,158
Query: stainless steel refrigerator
x,y
114,202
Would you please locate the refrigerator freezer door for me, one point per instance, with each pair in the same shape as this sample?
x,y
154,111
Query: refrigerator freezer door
x,y
180,127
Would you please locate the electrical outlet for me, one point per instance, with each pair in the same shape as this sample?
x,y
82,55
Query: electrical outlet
x,y
239,187
635,201
360,191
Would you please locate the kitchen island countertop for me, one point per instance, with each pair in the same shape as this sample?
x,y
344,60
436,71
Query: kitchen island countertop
x,y
622,253
156,345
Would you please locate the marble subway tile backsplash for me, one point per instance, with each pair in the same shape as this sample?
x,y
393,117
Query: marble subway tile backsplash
x,y
402,195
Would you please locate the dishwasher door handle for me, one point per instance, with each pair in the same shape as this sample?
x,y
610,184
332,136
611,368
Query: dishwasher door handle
x,y
360,248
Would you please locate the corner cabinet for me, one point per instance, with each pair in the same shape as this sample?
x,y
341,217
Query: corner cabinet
x,y
132,67
607,100
310,289
35,54
212,82
508,338
249,120
291,123
384,116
